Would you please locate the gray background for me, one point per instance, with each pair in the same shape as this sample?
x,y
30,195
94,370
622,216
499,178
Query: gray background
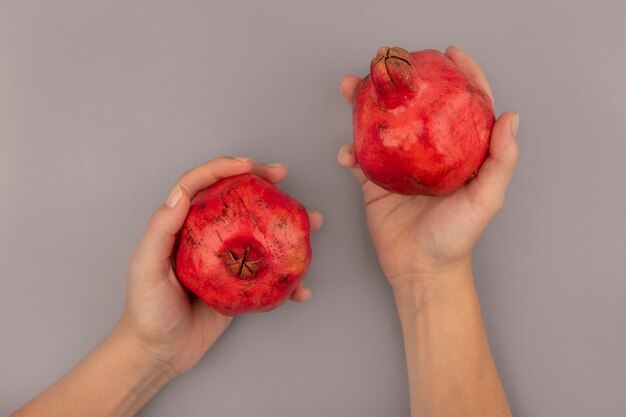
x,y
103,104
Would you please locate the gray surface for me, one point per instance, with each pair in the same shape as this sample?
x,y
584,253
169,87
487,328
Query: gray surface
x,y
103,104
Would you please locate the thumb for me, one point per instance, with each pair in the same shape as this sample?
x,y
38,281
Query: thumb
x,y
488,187
156,244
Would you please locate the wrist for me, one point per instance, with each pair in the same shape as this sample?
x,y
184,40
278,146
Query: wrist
x,y
147,371
425,286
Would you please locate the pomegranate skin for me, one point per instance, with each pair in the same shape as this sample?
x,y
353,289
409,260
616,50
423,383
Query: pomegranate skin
x,y
244,246
421,126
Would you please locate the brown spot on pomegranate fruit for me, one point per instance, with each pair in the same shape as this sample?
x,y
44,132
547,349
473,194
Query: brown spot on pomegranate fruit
x,y
244,246
421,126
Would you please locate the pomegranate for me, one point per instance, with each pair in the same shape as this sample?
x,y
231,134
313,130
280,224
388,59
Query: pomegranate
x,y
244,246
421,126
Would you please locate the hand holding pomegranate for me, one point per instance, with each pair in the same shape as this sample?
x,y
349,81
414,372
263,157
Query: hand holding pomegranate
x,y
164,329
434,169
174,327
418,236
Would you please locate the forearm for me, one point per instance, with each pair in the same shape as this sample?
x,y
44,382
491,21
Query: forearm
x,y
115,379
450,367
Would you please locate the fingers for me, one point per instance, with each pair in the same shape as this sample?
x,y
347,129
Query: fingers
x,y
469,66
301,294
155,246
347,158
274,173
348,86
315,219
210,172
488,188
157,242
347,155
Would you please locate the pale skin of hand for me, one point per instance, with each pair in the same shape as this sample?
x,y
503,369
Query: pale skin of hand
x,y
164,331
424,245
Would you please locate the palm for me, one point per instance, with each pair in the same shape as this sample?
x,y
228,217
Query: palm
x,y
182,327
407,228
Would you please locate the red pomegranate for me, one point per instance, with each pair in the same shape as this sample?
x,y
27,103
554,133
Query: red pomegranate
x,y
421,126
244,246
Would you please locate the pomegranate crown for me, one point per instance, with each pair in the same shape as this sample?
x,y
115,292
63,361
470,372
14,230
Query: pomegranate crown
x,y
393,76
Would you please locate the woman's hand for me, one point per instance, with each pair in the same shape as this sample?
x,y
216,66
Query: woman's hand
x,y
424,246
164,330
418,237
173,327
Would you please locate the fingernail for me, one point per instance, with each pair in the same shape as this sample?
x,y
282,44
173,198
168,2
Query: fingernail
x,y
514,124
342,153
174,197
310,293
242,159
277,165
